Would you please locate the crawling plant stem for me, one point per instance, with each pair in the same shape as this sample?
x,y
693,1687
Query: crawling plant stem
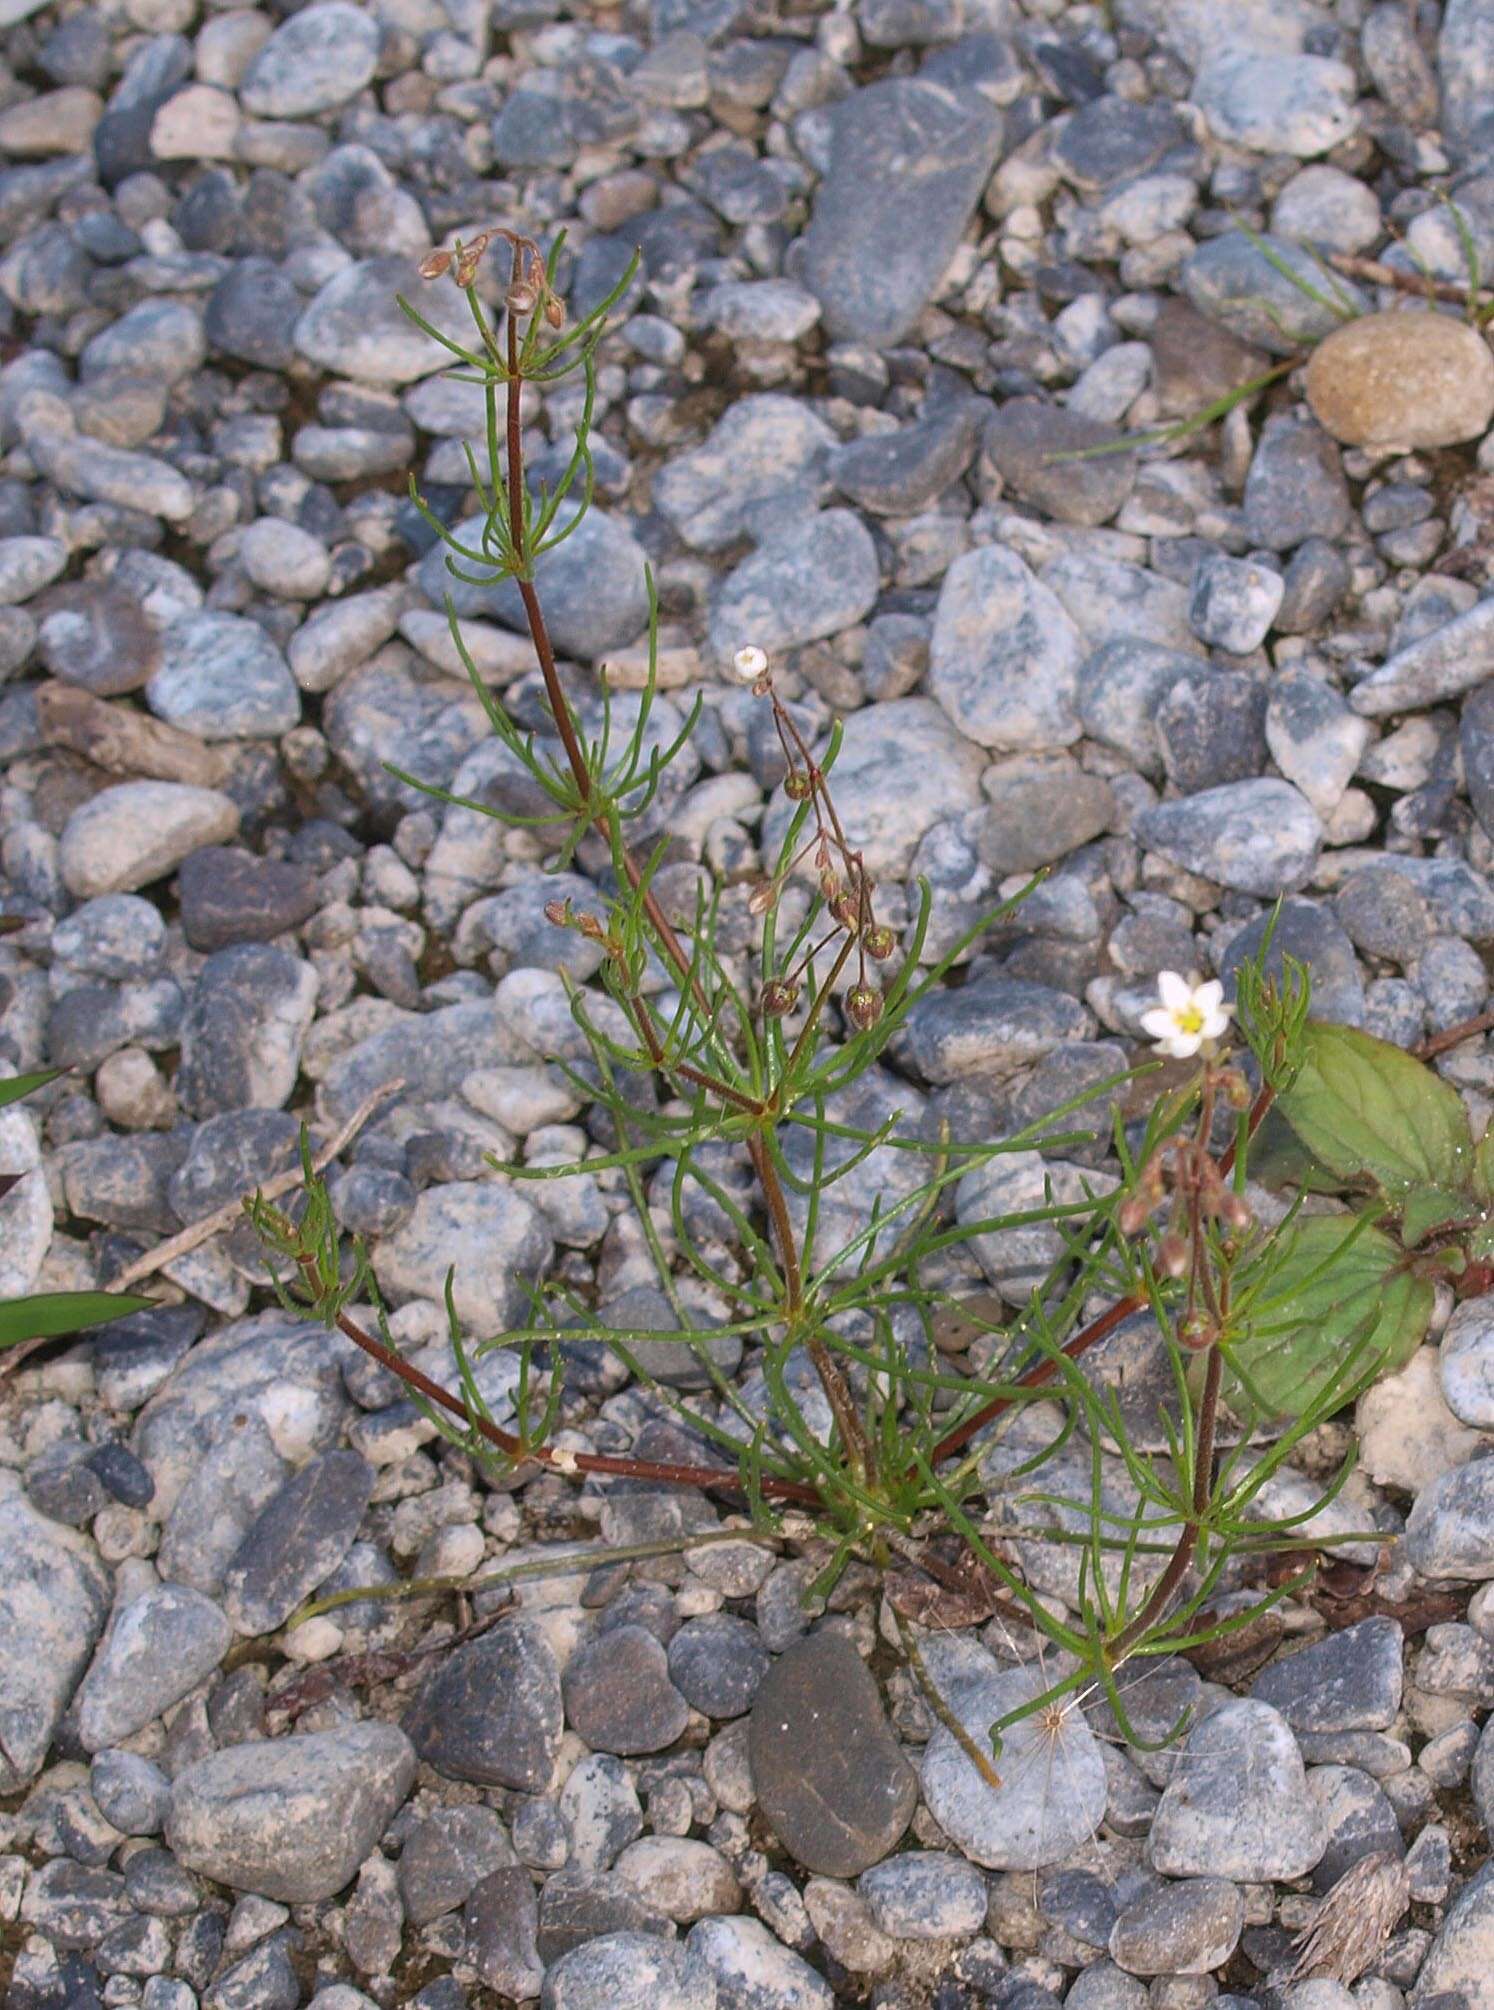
x,y
514,1447
1380,274
979,1759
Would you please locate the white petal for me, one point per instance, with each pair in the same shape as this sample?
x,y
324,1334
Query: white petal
x,y
1174,991
1158,1023
1208,997
1183,1046
1216,1023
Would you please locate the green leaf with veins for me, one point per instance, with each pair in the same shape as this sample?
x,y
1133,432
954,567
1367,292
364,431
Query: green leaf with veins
x,y
1339,1304
1368,1110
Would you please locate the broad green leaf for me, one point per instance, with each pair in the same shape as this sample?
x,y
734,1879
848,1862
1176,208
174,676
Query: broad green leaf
x,y
1428,1208
1369,1111
1339,1307
1483,1165
51,1313
13,1087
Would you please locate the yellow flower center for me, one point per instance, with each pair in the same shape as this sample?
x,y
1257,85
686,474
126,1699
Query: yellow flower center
x,y
1188,1019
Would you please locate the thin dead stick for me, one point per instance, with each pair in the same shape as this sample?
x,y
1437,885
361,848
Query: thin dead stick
x,y
1454,1036
1377,274
233,1210
941,1709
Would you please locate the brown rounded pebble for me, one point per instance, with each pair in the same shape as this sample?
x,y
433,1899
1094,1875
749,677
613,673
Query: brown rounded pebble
x,y
1408,378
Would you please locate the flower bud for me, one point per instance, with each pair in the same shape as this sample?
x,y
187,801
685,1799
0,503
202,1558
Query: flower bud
x,y
1172,1256
558,912
846,908
798,786
1235,1211
863,1006
880,941
1197,1332
434,264
1132,1215
778,998
750,663
520,299
763,898
1235,1089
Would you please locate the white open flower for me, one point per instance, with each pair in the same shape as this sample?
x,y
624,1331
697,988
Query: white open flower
x,y
1190,1014
750,663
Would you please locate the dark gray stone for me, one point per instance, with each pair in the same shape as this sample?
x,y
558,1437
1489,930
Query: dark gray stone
x,y
1296,487
1349,1681
1115,139
299,1540
592,586
880,237
1359,1818
1046,455
618,1695
502,1917
895,474
131,1793
830,1777
1312,935
491,1712
73,1906
994,1026
1212,728
446,1856
251,315
634,1314
717,1663
243,1028
577,1906
230,896
1187,1928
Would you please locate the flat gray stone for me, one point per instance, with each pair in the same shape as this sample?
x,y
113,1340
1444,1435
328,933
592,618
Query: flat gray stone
x,y
1233,281
158,1648
136,832
290,1818
1450,1530
618,1695
1189,1928
628,1971
1350,1681
765,454
1004,656
54,1600
830,1777
313,62
355,327
1452,659
908,162
1237,1803
297,1542
1053,1783
492,1235
1259,836
811,576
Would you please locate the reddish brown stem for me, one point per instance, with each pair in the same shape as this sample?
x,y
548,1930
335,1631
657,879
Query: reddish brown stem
x,y
1454,1036
514,1448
